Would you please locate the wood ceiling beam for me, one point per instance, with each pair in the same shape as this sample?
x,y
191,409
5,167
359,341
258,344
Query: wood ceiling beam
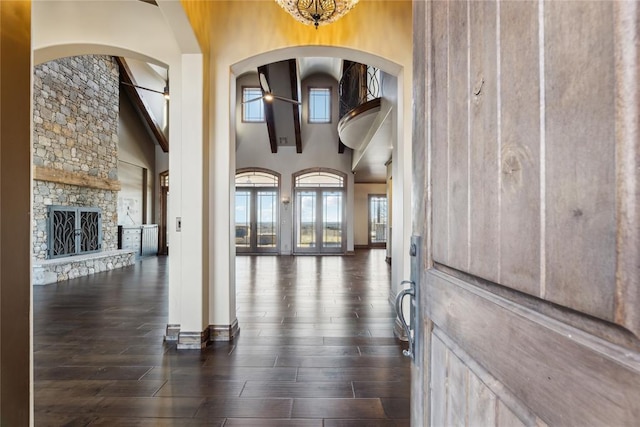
x,y
140,104
293,76
268,112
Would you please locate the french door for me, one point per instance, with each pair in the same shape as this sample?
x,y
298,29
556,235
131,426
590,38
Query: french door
x,y
319,220
256,220
377,221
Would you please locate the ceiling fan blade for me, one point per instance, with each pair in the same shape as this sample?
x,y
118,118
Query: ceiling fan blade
x,y
264,84
252,100
281,98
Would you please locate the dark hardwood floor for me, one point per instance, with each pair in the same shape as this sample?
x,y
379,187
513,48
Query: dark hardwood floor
x,y
316,348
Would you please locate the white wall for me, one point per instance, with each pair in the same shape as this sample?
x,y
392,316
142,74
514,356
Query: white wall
x,y
149,76
361,210
319,149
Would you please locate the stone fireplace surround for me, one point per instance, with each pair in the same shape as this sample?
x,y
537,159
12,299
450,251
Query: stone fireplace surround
x,y
75,158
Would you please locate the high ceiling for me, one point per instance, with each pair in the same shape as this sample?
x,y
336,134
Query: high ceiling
x,y
369,135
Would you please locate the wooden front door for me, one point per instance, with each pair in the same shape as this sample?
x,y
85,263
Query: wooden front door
x,y
526,172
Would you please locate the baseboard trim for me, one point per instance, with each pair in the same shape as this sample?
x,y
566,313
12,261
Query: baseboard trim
x,y
224,332
172,333
193,340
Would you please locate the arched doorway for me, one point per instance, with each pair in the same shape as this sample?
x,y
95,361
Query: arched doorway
x,y
257,213
319,211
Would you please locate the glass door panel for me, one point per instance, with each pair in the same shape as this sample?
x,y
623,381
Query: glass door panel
x,y
243,219
377,220
332,219
266,219
306,220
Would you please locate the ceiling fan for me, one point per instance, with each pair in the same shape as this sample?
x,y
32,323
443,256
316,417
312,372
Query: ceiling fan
x,y
267,94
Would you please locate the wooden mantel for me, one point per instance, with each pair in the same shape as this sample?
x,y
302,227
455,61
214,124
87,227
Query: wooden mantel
x,y
75,178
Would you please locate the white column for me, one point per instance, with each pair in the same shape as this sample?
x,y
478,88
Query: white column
x,y
188,307
222,317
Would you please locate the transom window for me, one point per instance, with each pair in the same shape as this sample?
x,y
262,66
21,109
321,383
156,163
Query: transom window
x,y
256,179
319,105
319,179
252,111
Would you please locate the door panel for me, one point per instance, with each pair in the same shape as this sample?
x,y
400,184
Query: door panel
x,y
266,223
319,221
332,219
306,209
526,123
243,219
377,221
256,220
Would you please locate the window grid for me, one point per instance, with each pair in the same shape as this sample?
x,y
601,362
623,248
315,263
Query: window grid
x,y
252,112
319,105
319,179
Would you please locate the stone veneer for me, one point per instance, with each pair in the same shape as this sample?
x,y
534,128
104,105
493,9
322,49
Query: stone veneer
x,y
75,120
55,270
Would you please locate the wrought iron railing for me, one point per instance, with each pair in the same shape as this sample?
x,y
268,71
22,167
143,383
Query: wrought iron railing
x,y
359,83
73,230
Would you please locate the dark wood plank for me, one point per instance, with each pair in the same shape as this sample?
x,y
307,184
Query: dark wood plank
x,y
150,407
338,408
203,388
94,342
245,408
248,422
292,390
353,374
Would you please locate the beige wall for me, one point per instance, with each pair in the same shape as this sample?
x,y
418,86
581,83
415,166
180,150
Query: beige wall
x,y
361,210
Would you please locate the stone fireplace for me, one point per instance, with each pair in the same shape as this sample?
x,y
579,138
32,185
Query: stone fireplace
x,y
75,168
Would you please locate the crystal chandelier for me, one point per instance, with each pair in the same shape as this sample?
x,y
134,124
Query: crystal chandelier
x,y
317,12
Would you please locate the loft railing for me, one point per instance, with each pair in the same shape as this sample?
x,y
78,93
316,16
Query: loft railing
x,y
359,83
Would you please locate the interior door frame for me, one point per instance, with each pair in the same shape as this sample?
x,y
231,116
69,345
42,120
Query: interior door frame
x,y
319,249
253,222
369,243
163,248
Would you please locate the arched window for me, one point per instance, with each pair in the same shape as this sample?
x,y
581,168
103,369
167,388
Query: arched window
x,y
320,211
256,210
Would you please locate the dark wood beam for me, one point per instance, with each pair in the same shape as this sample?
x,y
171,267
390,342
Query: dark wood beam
x,y
140,104
268,113
293,75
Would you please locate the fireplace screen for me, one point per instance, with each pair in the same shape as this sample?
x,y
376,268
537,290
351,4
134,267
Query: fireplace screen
x,y
73,230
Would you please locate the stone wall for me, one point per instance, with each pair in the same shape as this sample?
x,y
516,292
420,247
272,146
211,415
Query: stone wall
x,y
75,119
51,193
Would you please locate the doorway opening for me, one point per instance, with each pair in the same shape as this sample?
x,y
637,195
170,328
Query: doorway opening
x,y
319,211
256,207
163,238
378,220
